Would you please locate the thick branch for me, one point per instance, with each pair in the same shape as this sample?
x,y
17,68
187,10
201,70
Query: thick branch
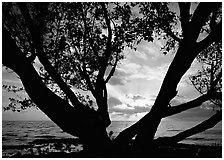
x,y
89,37
200,15
212,21
215,35
70,119
86,76
83,70
38,44
209,123
183,59
107,52
184,16
13,58
169,111
112,71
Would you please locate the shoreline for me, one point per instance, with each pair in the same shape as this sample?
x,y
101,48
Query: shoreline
x,y
179,150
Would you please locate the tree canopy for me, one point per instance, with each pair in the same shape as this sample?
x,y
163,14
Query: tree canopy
x,y
79,46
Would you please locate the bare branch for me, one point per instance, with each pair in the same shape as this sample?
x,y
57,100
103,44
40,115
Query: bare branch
x,y
86,76
83,69
112,71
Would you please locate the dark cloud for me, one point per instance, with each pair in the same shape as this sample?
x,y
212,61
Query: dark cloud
x,y
112,101
137,97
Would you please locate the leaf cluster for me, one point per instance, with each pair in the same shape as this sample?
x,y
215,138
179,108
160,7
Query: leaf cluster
x,y
209,78
18,103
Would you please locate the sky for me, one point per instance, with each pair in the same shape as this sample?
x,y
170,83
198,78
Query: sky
x,y
133,88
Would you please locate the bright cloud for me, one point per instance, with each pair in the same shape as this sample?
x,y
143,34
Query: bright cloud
x,y
124,107
129,99
140,102
127,104
133,71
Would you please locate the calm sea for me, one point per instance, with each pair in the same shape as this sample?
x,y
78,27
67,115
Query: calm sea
x,y
17,136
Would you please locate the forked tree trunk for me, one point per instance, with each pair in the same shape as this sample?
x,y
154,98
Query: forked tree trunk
x,y
167,92
73,120
145,129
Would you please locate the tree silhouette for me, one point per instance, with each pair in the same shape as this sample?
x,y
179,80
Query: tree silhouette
x,y
188,48
80,44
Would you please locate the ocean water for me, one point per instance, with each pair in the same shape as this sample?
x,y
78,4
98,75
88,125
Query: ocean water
x,y
17,136
171,127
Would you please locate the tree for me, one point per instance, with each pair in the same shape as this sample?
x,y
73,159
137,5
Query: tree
x,y
188,48
76,43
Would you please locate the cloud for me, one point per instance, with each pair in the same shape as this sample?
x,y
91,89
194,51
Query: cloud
x,y
128,71
12,81
124,107
114,91
137,97
141,55
10,77
116,97
152,51
115,80
129,68
129,104
136,54
118,116
114,101
141,101
120,76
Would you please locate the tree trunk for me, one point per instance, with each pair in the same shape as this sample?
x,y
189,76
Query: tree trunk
x,y
185,55
85,125
166,94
